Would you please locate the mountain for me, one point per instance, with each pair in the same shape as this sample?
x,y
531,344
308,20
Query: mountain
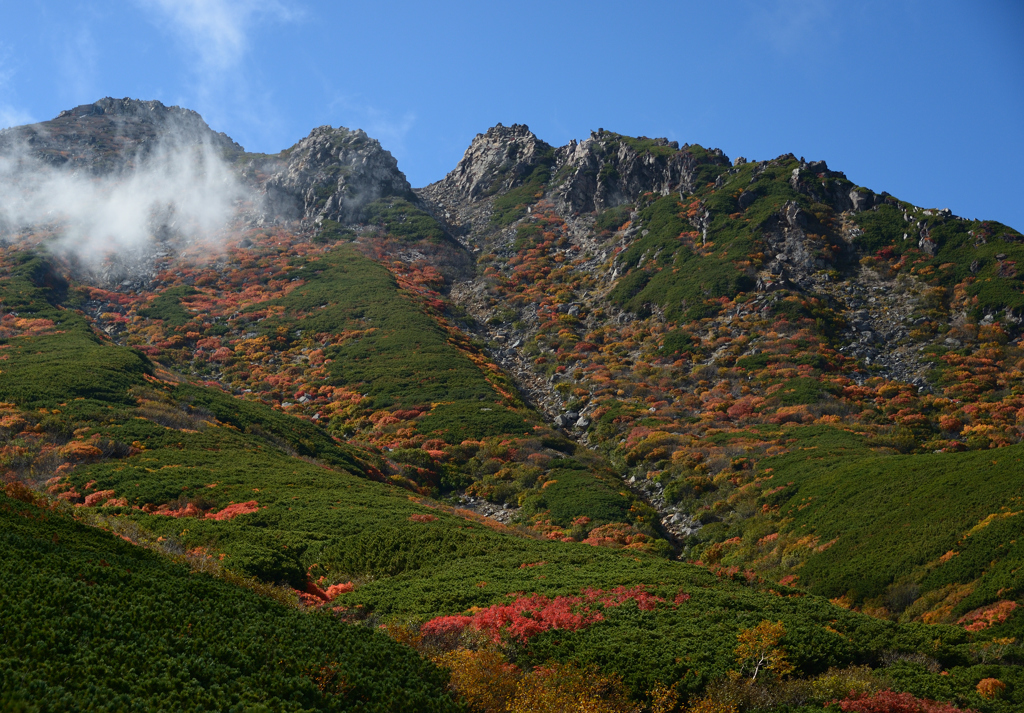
x,y
621,422
111,133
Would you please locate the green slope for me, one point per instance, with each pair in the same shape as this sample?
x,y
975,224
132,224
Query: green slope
x,y
90,622
896,531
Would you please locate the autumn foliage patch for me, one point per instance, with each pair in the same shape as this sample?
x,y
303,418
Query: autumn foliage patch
x,y
530,615
891,702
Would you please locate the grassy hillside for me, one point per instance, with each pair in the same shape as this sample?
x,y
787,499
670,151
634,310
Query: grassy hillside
x,y
722,341
364,354
91,622
270,496
930,536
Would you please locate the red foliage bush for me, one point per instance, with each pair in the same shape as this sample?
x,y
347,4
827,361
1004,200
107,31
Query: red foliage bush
x,y
988,615
528,616
98,497
189,510
335,589
222,354
445,625
234,511
891,702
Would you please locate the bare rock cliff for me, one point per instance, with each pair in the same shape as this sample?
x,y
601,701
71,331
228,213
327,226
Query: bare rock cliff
x,y
334,174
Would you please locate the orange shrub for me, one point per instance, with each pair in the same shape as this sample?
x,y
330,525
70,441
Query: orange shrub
x,y
989,688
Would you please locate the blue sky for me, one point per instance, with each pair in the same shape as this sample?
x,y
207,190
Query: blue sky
x,y
920,98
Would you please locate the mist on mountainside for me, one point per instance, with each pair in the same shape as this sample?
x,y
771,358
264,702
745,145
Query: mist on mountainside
x,y
180,188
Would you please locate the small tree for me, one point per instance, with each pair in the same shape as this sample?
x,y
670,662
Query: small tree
x,y
759,649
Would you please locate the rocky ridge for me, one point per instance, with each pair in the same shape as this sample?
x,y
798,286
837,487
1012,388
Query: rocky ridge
x,y
608,169
602,171
497,161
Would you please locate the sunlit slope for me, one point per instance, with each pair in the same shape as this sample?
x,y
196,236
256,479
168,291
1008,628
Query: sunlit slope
x,y
409,562
91,622
400,355
364,353
931,536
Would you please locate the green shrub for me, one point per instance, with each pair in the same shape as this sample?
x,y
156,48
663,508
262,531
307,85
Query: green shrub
x,y
462,420
167,306
93,623
402,219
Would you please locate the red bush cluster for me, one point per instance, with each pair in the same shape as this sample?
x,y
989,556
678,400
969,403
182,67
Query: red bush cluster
x,y
891,702
530,615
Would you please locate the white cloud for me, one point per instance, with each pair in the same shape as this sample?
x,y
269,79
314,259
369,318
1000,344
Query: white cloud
x,y
217,30
178,189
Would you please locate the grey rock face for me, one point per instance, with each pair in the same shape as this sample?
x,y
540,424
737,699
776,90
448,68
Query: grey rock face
x,y
497,160
926,243
861,201
602,171
605,170
335,174
823,185
797,256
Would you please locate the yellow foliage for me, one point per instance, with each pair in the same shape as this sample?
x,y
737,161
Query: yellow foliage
x,y
990,688
566,688
839,683
483,678
709,705
990,519
664,699
490,684
758,649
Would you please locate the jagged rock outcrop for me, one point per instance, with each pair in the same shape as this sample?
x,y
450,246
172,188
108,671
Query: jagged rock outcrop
x,y
796,247
608,169
334,174
112,134
501,159
602,171
498,160
815,180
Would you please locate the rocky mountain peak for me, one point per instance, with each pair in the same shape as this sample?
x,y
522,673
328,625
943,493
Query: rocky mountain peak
x,y
152,109
333,173
499,159
602,171
112,133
